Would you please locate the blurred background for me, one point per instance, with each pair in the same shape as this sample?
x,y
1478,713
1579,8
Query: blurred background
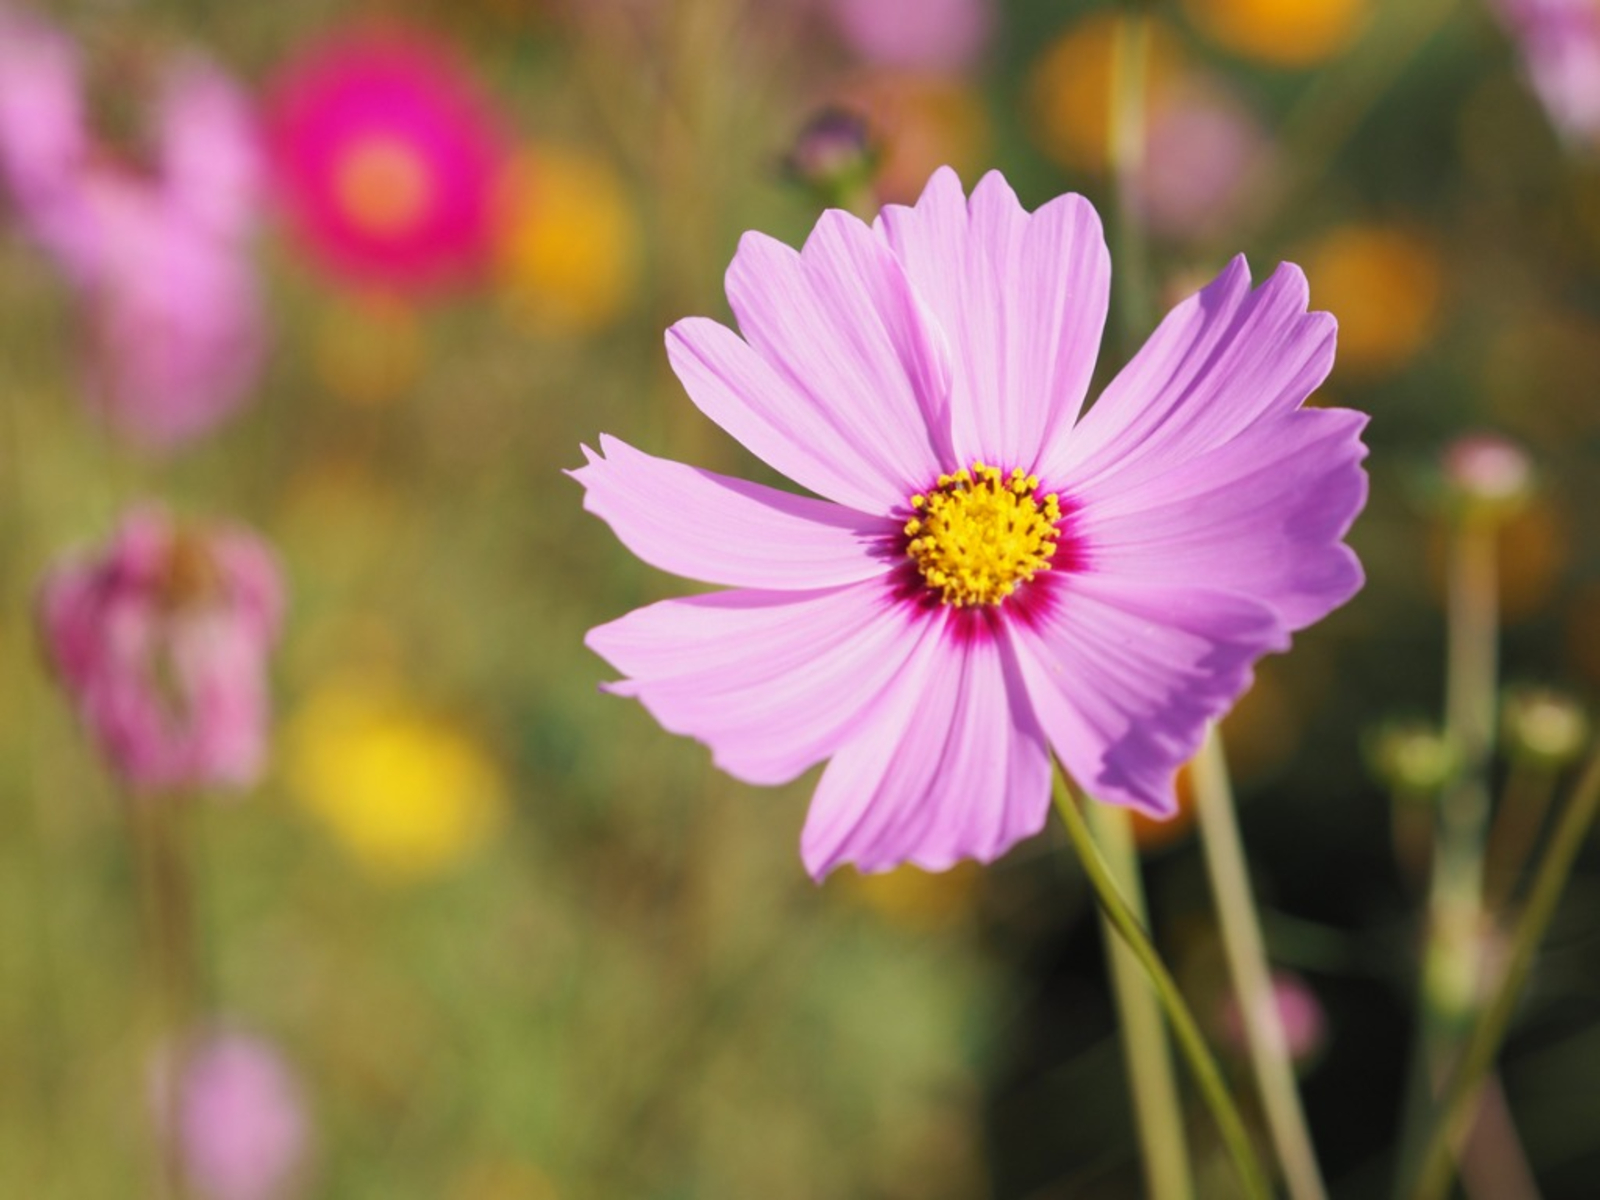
x,y
362,277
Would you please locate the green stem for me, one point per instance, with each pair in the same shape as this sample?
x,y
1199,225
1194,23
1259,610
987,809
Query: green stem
x,y
1201,1063
1459,1102
1162,1140
1452,974
1126,137
1252,982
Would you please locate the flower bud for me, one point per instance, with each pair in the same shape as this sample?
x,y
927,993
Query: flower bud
x,y
1411,757
1543,726
1484,474
835,156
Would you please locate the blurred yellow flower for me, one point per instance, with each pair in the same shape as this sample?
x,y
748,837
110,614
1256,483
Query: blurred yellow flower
x,y
1289,33
408,795
917,899
1069,88
569,248
1384,284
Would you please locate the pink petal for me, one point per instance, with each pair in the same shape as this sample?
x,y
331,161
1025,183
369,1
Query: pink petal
x,y
709,527
772,681
769,416
212,160
1125,676
1022,299
950,764
1222,360
1261,516
838,320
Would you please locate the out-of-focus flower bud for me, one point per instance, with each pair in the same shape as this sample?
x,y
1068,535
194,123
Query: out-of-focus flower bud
x,y
924,35
836,156
238,1118
1543,726
162,642
1305,1027
1412,757
1486,475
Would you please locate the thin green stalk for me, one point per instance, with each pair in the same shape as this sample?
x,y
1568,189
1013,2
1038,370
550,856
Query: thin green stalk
x,y
1201,1063
1460,1098
1162,1140
1247,964
1452,976
1126,139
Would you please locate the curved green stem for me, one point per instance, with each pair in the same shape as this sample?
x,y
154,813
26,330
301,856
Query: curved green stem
x,y
1460,1099
1252,982
1201,1063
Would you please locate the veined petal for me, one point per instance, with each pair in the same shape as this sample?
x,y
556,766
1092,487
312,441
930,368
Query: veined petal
x,y
1261,516
727,531
1022,300
838,322
1222,360
949,764
771,417
772,681
1124,677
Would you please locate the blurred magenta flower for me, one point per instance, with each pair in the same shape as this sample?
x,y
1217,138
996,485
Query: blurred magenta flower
x,y
933,35
158,252
1560,43
162,642
241,1124
387,157
994,574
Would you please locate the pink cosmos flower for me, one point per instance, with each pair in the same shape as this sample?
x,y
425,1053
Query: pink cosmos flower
x,y
159,252
162,642
992,574
1560,42
241,1125
388,160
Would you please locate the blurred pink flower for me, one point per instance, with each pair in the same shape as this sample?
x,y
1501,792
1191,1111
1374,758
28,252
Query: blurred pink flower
x,y
1305,1027
994,575
241,1125
933,35
159,255
1560,43
162,642
387,157
1204,147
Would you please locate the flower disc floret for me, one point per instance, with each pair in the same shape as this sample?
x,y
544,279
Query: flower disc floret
x,y
980,533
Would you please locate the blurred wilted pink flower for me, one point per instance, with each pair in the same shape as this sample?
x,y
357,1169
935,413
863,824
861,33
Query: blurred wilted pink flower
x,y
162,642
1560,42
158,253
241,1126
387,157
993,575
934,35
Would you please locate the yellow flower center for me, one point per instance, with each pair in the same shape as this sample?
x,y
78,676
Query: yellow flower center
x,y
980,533
382,183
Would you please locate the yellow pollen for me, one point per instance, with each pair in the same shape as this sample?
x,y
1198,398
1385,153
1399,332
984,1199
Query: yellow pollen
x,y
980,533
382,183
